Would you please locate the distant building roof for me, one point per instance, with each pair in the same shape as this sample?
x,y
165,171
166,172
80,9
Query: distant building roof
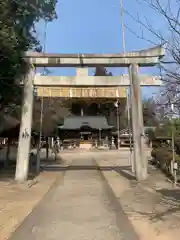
x,y
77,122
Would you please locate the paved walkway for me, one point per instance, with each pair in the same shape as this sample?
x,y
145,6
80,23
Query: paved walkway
x,y
82,206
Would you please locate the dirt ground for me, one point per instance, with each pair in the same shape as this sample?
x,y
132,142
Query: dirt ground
x,y
18,200
152,205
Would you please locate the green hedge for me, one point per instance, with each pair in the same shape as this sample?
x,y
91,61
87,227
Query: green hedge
x,y
162,156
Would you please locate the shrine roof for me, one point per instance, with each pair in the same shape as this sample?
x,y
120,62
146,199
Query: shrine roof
x,y
78,122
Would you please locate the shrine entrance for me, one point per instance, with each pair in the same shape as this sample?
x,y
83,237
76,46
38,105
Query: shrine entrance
x,y
89,98
83,86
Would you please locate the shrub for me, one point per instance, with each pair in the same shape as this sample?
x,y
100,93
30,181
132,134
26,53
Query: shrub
x,y
163,157
156,143
153,153
177,146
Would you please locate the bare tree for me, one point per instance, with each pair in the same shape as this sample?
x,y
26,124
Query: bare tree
x,y
169,12
150,112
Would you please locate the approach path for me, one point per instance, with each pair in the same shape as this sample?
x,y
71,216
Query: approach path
x,y
81,206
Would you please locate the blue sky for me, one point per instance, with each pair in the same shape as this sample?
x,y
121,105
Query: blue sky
x,y
93,26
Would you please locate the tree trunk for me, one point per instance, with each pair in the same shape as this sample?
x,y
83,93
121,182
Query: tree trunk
x,y
47,148
6,163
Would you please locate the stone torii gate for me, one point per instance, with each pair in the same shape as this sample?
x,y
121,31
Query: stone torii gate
x,y
132,60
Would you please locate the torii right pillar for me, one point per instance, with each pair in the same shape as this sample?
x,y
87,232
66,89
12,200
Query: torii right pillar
x,y
140,160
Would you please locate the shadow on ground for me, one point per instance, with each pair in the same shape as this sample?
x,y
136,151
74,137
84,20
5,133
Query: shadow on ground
x,y
7,173
123,171
163,206
171,200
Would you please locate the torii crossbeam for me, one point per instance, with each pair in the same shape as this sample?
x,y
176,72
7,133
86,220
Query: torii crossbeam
x,y
144,58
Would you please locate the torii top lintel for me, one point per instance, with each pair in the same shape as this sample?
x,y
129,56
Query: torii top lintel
x,y
147,57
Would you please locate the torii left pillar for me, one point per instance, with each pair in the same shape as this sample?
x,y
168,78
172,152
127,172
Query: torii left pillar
x,y
22,163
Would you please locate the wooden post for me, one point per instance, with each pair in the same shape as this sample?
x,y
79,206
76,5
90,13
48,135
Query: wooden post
x,y
6,163
47,148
